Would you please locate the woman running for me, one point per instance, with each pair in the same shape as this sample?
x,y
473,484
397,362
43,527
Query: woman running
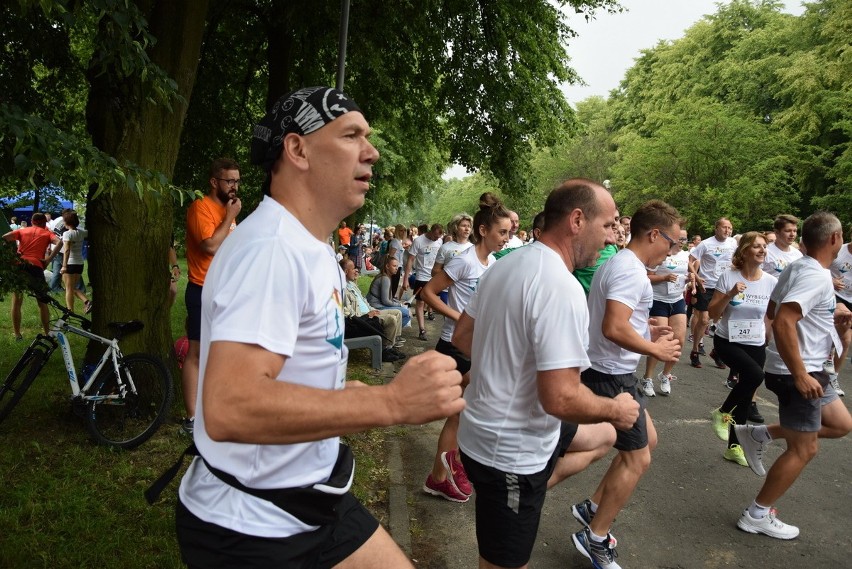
x,y
739,303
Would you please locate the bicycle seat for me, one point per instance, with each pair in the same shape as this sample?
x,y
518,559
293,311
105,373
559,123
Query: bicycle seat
x,y
123,328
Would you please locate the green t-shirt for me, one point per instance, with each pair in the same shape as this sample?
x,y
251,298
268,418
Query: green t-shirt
x,y
586,274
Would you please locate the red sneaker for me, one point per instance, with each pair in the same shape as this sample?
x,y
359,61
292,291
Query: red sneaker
x,y
445,489
455,471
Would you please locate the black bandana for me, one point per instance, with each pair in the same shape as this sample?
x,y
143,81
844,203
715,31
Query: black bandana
x,y
302,112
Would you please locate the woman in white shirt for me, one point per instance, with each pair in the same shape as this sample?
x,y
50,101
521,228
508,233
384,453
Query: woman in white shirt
x,y
739,303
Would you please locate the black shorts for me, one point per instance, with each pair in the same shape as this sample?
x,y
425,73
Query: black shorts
x,y
607,385
668,309
417,287
34,276
844,302
74,269
205,546
794,411
508,506
446,348
702,300
192,297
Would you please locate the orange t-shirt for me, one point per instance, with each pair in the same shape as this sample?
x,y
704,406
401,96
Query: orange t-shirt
x,y
33,242
202,219
344,234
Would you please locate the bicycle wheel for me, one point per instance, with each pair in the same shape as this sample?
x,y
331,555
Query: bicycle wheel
x,y
130,420
19,380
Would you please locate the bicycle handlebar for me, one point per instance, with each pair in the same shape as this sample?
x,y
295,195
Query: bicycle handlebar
x,y
67,314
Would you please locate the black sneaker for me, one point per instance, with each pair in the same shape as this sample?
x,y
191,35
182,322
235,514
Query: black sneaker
x,y
389,356
701,351
602,555
754,415
717,360
422,335
430,315
732,380
694,359
188,427
398,354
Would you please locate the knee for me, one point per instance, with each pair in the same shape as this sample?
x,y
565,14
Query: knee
x,y
806,450
638,461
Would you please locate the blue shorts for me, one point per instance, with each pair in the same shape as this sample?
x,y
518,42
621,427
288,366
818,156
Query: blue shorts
x,y
668,309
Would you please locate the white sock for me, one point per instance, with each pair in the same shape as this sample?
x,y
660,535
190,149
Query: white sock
x,y
760,433
757,511
593,506
596,538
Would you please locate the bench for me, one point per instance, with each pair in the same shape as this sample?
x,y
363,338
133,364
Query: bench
x,y
374,343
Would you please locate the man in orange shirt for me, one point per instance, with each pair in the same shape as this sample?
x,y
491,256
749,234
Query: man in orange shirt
x,y
33,242
208,221
344,234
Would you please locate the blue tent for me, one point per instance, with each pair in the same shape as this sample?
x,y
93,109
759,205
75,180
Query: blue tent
x,y
51,200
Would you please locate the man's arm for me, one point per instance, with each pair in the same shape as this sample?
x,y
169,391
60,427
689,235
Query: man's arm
x,y
787,342
244,403
463,334
563,395
211,244
617,329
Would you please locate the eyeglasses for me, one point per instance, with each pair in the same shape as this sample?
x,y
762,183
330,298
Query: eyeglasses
x,y
672,242
231,183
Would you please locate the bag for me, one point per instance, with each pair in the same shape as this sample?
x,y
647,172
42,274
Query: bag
x,y
314,505
363,326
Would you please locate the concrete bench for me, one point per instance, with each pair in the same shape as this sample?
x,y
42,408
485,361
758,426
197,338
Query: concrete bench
x,y
374,343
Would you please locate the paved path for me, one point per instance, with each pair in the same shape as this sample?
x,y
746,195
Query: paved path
x,y
683,513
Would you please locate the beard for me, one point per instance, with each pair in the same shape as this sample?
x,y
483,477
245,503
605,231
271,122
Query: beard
x,y
225,196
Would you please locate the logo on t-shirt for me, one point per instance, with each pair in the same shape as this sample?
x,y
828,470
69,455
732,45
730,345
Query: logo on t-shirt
x,y
334,320
845,268
780,265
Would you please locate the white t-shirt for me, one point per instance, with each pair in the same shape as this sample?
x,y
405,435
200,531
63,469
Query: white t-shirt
x,y
75,238
714,258
777,260
513,243
807,284
273,284
424,251
667,291
742,320
465,270
841,268
625,279
449,250
531,316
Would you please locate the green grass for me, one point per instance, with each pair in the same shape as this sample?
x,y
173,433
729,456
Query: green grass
x,y
69,503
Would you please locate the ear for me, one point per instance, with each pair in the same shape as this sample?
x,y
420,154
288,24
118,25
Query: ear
x,y
576,221
294,149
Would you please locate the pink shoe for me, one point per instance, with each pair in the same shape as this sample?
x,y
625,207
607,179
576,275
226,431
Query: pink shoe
x,y
455,471
445,489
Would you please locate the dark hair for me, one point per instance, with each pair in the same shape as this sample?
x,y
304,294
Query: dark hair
x,y
71,219
818,227
490,210
783,220
654,214
575,193
538,221
38,219
222,164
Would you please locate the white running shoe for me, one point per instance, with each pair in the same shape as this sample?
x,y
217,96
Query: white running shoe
x,y
835,383
767,525
665,383
752,449
648,387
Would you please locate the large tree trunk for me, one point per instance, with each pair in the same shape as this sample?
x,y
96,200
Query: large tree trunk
x,y
128,236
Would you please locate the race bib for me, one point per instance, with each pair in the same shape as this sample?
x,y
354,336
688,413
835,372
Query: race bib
x,y
676,287
741,330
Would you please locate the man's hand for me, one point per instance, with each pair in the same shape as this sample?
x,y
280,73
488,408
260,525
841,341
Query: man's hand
x,y
808,387
842,316
428,387
667,348
657,330
232,210
838,284
373,313
627,412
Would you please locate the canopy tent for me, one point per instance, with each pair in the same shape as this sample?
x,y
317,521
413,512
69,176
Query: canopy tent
x,y
21,206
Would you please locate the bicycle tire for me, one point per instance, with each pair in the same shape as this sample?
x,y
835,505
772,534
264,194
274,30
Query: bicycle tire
x,y
19,380
129,421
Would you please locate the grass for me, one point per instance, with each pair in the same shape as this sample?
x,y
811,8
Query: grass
x,y
69,503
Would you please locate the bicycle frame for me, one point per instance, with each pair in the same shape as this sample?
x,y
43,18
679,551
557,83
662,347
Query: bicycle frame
x,y
112,352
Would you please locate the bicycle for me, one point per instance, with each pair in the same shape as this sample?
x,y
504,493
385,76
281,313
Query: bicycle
x,y
124,400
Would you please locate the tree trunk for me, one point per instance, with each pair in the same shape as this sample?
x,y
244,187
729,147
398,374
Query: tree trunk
x,y
128,236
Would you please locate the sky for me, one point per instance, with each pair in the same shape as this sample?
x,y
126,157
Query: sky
x,y
607,46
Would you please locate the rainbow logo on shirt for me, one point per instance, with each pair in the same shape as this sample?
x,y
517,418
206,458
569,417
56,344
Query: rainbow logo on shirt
x,y
334,320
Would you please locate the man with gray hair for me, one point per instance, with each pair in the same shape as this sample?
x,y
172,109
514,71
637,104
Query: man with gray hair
x,y
805,315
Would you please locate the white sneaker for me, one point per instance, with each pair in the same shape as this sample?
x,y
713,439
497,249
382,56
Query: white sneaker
x,y
665,383
752,449
648,387
835,383
767,525
828,366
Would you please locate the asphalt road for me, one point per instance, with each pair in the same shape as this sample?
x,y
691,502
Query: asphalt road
x,y
683,513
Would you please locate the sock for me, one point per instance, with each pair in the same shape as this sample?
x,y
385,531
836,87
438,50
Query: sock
x,y
593,507
761,434
757,511
596,538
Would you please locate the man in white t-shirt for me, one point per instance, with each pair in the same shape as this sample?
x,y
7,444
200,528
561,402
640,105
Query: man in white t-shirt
x,y
806,314
841,273
421,258
782,251
526,330
514,241
620,301
710,258
272,395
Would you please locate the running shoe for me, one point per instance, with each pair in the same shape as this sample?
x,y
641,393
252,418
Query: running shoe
x,y
422,335
752,450
734,453
717,360
721,422
835,383
89,305
665,383
455,472
732,380
701,351
828,366
754,414
648,387
694,359
583,513
446,490
188,427
19,338
430,315
388,355
602,555
768,525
